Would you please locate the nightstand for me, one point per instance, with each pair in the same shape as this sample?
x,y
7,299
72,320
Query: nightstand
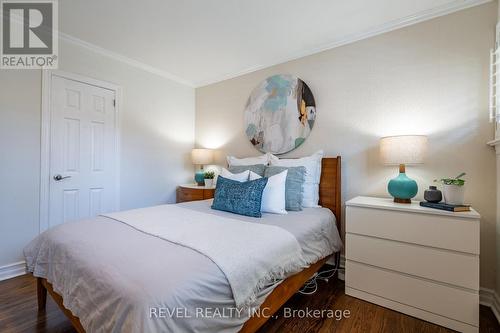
x,y
193,192
420,261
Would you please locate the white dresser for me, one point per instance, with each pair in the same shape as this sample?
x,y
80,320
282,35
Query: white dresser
x,y
420,261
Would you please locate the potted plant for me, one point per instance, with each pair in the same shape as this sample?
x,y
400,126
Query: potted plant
x,y
453,189
209,178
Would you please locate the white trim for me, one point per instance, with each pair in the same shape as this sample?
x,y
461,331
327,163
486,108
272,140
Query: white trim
x,y
124,59
118,126
12,270
490,298
83,79
378,30
45,152
45,137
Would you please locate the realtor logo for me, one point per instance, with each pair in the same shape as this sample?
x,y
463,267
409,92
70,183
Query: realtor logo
x,y
29,34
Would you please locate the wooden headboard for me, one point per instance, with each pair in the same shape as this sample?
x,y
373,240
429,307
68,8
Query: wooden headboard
x,y
329,186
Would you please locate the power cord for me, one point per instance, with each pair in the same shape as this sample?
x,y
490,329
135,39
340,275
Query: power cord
x,y
311,286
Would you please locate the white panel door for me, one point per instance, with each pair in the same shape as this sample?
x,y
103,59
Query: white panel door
x,y
82,151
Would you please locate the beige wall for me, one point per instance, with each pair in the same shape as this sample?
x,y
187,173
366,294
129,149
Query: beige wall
x,y
430,78
157,134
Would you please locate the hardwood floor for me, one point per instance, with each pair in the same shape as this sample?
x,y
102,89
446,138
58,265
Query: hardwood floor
x,y
18,313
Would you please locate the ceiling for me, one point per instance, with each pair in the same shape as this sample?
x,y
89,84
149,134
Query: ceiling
x,y
204,41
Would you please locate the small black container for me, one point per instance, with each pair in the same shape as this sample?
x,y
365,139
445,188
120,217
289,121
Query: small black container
x,y
433,195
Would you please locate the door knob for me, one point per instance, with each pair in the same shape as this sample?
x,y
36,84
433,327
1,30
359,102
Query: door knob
x,y
59,177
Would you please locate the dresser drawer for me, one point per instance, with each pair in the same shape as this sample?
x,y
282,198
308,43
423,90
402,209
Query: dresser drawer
x,y
208,193
441,231
461,269
188,194
450,302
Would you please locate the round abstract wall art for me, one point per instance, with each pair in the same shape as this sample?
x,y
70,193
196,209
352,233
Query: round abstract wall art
x,y
279,114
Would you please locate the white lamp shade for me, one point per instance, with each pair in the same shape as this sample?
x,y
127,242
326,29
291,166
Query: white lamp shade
x,y
202,156
404,149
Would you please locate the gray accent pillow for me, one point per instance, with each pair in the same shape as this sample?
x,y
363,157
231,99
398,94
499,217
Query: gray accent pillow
x,y
257,168
293,187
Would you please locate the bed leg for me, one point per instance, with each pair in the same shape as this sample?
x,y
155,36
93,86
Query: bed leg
x,y
41,292
337,264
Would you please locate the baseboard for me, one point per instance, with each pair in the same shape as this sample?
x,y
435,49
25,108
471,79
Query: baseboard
x,y
12,270
489,297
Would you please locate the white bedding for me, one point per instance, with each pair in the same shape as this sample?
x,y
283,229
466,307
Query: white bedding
x,y
251,255
112,276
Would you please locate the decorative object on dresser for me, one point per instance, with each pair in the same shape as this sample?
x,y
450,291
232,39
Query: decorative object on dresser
x,y
433,195
402,150
445,206
279,114
416,260
201,157
194,192
209,179
454,189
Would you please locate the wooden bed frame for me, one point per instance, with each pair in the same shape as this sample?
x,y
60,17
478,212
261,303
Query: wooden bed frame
x,y
329,197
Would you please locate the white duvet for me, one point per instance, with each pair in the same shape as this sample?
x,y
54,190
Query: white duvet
x,y
251,255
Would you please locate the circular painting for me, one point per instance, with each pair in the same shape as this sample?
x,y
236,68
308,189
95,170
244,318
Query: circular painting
x,y
279,114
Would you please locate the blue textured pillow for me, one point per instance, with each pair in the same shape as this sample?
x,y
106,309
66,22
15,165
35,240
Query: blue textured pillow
x,y
295,179
239,198
257,168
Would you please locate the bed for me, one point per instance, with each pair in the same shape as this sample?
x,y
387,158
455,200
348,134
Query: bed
x,y
107,276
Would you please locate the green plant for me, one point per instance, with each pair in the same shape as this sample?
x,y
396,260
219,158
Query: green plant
x,y
452,181
209,175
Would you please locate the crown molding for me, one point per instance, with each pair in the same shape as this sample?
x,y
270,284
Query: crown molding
x,y
124,59
378,30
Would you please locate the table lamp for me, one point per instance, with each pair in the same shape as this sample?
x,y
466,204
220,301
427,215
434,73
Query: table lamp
x,y
201,157
402,150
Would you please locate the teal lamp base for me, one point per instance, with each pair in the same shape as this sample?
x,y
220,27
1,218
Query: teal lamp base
x,y
199,177
402,188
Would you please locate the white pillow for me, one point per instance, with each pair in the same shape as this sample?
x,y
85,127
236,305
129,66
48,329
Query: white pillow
x,y
273,197
240,177
263,159
313,174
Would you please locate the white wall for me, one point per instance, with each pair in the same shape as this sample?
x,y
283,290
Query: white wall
x,y
430,78
157,134
20,98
